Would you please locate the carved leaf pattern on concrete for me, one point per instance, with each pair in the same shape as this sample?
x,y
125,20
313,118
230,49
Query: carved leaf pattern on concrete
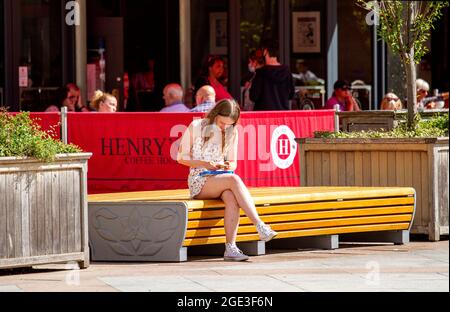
x,y
140,235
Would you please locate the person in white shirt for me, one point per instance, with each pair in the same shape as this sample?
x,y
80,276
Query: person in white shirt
x,y
305,75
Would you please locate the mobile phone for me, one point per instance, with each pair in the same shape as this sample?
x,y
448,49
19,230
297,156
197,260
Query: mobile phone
x,y
215,172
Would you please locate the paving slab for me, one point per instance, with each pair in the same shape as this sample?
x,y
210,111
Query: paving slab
x,y
418,266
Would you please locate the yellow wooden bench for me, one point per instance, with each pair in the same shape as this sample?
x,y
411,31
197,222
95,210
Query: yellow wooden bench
x,y
161,225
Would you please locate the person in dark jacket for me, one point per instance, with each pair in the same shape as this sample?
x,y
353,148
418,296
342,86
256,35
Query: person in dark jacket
x,y
273,85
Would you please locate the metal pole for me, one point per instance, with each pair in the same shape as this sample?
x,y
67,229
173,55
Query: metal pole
x,y
64,112
336,118
81,50
185,44
333,45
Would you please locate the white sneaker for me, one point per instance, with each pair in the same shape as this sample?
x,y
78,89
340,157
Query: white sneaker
x,y
232,253
265,232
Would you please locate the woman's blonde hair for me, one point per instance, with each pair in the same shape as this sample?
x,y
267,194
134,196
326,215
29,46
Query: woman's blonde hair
x,y
100,97
224,108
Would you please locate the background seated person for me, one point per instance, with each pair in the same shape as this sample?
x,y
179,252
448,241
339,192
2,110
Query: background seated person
x,y
104,102
423,88
391,102
70,97
213,74
305,76
343,97
426,102
205,99
173,98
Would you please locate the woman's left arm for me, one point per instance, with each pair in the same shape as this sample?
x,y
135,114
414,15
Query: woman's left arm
x,y
232,155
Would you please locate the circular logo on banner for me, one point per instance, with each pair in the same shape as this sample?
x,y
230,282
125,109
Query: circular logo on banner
x,y
283,147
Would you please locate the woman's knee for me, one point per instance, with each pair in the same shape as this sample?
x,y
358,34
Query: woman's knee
x,y
233,180
229,198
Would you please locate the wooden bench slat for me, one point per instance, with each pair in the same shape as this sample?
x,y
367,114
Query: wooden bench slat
x,y
262,196
302,233
219,221
289,226
215,213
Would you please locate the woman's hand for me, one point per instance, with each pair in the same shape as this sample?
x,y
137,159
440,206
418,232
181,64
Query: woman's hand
x,y
218,165
213,165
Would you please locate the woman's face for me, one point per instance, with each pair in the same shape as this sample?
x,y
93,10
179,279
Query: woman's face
x,y
108,106
71,100
217,69
342,92
421,94
224,122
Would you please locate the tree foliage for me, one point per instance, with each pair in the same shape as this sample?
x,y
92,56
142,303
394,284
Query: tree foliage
x,y
406,27
406,24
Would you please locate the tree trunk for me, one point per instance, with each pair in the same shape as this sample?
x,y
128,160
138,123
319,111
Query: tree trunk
x,y
411,75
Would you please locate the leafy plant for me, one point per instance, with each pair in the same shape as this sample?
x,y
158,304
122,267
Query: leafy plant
x,y
20,136
405,26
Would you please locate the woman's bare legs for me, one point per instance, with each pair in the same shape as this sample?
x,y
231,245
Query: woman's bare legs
x,y
227,187
232,216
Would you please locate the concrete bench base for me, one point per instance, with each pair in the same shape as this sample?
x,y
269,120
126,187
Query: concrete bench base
x,y
136,232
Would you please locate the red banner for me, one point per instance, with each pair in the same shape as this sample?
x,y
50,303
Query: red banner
x,y
49,122
137,151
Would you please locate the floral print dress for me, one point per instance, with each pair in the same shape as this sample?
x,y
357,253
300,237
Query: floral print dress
x,y
209,151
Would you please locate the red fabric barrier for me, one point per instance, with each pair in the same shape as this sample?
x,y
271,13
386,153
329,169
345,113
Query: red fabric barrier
x,y
132,152
49,122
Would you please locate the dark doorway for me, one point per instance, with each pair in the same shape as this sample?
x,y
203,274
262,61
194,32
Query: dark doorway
x,y
133,32
2,55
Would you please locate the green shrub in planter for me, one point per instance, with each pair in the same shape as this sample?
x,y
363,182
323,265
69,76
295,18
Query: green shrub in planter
x,y
431,128
20,136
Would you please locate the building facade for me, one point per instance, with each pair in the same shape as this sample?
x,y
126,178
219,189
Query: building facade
x,y
45,44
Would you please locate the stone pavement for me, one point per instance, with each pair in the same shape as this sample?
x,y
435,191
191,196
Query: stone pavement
x,y
418,266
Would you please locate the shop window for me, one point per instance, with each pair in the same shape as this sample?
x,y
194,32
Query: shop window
x,y
41,52
308,53
259,26
355,51
2,56
209,35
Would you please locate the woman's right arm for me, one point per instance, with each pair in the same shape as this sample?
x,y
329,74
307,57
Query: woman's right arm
x,y
185,153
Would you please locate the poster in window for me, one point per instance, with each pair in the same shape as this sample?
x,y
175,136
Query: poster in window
x,y
306,32
218,33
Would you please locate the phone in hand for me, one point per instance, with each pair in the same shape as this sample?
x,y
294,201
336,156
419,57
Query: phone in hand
x,y
215,172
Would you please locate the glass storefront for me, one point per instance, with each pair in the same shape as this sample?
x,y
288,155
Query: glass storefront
x,y
308,53
356,51
41,52
308,29
134,32
209,34
2,55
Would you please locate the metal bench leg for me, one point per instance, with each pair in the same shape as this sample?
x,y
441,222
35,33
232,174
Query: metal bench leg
x,y
183,255
396,237
327,242
253,248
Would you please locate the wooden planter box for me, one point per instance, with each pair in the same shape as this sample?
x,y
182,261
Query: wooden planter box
x,y
379,120
418,163
43,211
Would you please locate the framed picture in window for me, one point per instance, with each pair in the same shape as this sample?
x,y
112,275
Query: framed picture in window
x,y
218,33
306,32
